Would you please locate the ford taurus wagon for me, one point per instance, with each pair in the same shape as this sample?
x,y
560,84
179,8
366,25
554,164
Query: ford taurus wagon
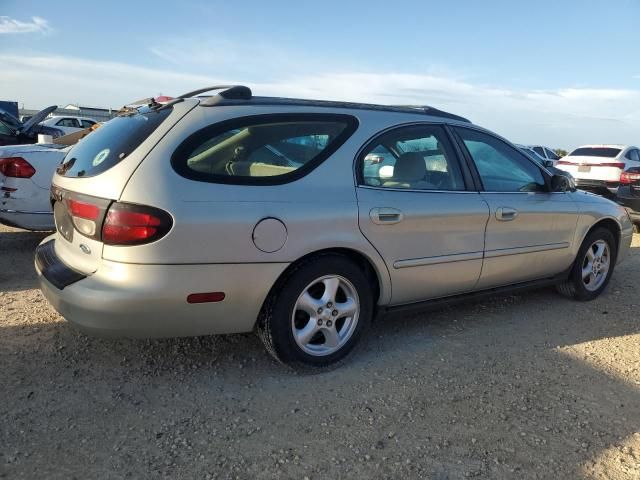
x,y
303,219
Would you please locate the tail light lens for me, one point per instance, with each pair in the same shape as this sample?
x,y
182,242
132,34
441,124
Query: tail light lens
x,y
612,164
131,224
113,223
565,162
86,213
627,178
16,167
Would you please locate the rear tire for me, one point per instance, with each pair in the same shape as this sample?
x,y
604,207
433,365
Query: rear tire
x,y
316,316
592,268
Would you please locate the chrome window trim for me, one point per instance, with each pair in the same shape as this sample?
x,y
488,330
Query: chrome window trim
x,y
416,190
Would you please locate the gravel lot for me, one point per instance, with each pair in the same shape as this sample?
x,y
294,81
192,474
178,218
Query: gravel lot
x,y
524,386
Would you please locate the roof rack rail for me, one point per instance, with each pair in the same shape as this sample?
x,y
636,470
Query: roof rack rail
x,y
436,111
236,92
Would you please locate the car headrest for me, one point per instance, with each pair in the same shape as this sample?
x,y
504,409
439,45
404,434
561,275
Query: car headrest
x,y
410,167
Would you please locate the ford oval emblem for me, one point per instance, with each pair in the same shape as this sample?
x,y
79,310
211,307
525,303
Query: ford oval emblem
x,y
85,249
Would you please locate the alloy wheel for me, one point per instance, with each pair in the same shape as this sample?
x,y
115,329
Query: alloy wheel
x,y
325,315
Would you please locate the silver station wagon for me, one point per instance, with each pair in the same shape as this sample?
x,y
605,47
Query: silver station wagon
x,y
300,219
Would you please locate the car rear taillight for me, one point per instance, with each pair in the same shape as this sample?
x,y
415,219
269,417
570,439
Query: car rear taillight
x,y
86,214
16,167
629,177
611,164
131,224
565,162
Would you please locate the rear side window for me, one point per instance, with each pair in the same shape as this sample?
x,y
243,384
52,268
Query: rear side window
x,y
87,123
262,149
111,143
595,152
67,122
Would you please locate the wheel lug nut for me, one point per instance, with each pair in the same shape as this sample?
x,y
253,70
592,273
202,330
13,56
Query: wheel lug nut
x,y
334,313
320,311
329,305
329,323
320,322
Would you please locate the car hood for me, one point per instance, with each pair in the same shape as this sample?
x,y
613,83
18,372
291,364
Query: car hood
x,y
37,118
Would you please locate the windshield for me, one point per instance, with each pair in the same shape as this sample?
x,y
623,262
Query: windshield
x,y
111,143
595,152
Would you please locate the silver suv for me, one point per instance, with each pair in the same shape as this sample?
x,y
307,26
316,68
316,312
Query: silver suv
x,y
229,213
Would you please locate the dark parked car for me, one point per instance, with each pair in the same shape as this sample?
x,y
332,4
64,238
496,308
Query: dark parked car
x,y
15,132
548,164
629,194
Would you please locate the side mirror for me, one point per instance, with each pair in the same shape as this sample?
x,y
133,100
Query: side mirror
x,y
560,183
548,163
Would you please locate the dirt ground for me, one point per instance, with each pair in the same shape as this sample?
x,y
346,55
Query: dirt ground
x,y
516,387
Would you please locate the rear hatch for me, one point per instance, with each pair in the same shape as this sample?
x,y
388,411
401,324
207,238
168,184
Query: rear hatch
x,y
88,183
594,163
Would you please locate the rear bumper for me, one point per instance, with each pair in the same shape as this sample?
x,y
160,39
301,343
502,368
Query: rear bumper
x,y
128,300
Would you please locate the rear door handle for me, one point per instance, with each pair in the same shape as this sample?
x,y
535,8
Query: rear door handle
x,y
506,214
385,216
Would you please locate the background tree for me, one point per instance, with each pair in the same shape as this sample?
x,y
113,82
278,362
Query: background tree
x,y
560,152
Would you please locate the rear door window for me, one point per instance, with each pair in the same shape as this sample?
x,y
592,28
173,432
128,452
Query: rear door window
x,y
633,155
112,142
262,149
416,157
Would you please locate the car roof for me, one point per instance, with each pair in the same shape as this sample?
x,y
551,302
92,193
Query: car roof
x,y
300,102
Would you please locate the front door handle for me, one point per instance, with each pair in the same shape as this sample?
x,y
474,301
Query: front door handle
x,y
506,214
385,216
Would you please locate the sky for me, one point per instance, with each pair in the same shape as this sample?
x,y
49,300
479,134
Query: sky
x,y
558,73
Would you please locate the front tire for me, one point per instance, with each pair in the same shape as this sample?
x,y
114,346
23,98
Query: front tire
x,y
317,315
592,268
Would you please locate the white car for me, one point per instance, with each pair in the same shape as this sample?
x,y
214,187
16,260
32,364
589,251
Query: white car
x,y
69,124
598,168
25,182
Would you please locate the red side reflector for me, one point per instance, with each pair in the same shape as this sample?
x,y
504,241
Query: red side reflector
x,y
7,189
16,167
206,297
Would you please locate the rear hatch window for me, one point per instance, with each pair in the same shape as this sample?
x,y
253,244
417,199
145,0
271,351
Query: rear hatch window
x,y
595,152
112,142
